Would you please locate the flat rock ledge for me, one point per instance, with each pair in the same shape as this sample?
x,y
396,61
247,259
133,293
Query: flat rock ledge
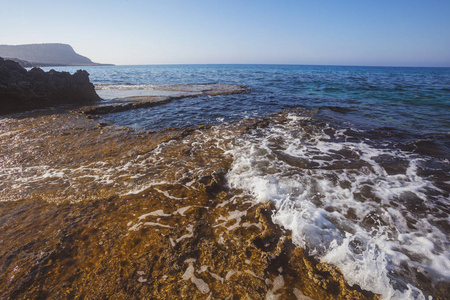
x,y
178,91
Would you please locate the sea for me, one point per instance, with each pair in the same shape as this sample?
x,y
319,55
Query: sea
x,y
359,170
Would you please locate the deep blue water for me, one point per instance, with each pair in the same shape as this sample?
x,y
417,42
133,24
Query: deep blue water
x,y
412,99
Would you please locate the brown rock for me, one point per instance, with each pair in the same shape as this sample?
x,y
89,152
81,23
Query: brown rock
x,y
186,237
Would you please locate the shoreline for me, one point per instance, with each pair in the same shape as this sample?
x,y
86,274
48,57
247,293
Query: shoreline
x,y
175,229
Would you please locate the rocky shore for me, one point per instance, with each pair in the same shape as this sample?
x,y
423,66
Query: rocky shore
x,y
99,211
22,90
179,91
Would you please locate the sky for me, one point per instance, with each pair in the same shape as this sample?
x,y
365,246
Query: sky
x,y
322,32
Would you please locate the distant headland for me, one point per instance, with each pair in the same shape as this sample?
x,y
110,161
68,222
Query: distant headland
x,y
45,55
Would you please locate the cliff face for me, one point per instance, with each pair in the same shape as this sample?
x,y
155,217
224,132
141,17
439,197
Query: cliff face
x,y
21,90
46,54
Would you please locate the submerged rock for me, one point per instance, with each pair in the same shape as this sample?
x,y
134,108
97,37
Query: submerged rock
x,y
105,212
145,96
22,90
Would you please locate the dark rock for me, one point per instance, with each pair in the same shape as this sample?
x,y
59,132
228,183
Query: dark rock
x,y
22,63
21,90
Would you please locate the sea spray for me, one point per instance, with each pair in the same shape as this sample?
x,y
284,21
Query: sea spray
x,y
332,191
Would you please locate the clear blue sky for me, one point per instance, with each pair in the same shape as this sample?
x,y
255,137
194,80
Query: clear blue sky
x,y
338,32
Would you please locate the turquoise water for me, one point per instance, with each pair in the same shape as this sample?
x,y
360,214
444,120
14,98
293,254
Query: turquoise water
x,y
416,99
363,183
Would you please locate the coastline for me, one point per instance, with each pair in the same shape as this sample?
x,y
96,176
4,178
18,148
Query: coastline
x,y
181,232
359,195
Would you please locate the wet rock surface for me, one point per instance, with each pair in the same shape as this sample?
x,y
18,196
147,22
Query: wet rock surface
x,y
109,212
22,90
155,96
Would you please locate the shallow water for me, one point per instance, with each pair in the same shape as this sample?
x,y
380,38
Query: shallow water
x,y
362,179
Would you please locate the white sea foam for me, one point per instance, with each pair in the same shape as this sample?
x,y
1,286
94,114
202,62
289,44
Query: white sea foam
x,y
233,215
165,193
216,276
190,229
159,213
344,206
156,224
299,295
190,275
181,211
76,183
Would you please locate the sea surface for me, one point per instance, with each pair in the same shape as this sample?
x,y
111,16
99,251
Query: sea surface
x,y
362,179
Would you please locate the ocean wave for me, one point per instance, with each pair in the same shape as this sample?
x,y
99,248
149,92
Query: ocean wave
x,y
365,209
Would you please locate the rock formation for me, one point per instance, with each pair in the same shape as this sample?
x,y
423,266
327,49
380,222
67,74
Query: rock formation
x,y
45,55
22,90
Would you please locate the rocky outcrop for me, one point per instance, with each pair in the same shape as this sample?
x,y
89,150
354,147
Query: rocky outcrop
x,y
22,90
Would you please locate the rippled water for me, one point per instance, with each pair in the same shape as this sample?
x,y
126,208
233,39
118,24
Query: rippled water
x,y
363,183
405,98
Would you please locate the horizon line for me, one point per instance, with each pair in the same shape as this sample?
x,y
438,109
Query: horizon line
x,y
279,64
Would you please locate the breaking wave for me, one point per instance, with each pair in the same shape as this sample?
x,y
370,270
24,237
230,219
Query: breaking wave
x,y
364,208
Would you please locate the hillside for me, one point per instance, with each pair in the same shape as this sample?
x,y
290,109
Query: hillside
x,y
45,55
